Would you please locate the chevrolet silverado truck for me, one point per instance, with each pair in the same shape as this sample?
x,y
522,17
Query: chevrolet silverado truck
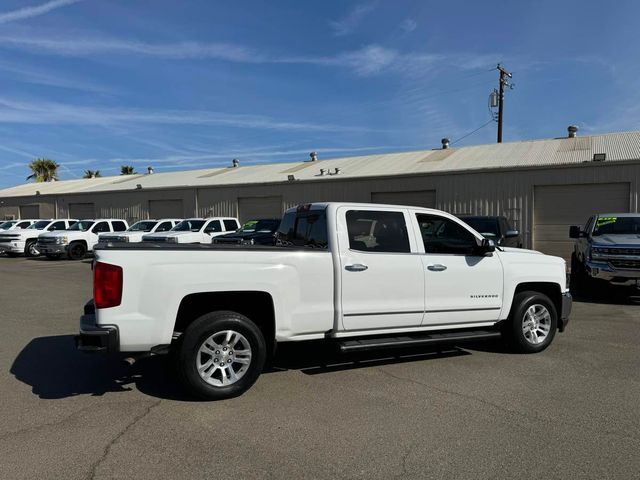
x,y
195,230
79,239
253,232
136,231
417,277
16,242
607,249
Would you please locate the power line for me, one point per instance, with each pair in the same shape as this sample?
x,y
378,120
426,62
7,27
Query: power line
x,y
472,132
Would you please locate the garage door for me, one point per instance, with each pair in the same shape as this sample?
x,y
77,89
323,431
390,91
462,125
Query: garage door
x,y
557,207
30,211
421,198
165,209
250,208
82,210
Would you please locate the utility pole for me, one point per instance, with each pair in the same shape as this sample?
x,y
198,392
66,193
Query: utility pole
x,y
503,82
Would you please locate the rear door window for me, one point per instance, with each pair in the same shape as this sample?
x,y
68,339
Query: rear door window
x,y
119,226
303,229
230,225
377,231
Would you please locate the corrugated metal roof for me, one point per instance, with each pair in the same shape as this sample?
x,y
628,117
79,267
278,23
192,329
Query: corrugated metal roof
x,y
559,151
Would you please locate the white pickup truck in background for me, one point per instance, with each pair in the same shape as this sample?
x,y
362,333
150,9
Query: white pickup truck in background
x,y
135,232
195,230
16,224
23,241
364,275
79,239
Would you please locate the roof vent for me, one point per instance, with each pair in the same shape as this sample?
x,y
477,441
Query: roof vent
x,y
235,163
573,131
445,143
150,170
314,156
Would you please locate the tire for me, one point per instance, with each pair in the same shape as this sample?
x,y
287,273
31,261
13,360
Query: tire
x,y
30,249
197,352
77,251
527,333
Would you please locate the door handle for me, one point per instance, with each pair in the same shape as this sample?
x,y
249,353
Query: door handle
x,y
356,267
437,267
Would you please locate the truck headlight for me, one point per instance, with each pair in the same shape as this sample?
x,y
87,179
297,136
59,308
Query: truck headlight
x,y
62,240
172,239
123,239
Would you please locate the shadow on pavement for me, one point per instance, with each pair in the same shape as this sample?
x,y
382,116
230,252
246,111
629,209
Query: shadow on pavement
x,y
55,369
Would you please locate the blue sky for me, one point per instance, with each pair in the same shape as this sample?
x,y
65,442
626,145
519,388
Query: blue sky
x,y
94,84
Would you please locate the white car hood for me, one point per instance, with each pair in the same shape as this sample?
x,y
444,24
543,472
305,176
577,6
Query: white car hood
x,y
519,250
182,237
616,240
23,233
64,233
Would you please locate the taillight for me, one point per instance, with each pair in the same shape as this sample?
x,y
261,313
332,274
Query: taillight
x,y
107,285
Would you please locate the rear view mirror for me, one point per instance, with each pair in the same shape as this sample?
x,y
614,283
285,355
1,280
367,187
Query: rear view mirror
x,y
511,233
574,231
485,246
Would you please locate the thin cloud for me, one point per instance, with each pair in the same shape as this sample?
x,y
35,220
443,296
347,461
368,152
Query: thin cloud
x,y
367,61
34,11
408,25
50,113
347,24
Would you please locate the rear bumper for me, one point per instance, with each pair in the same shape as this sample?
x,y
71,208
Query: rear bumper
x,y
96,338
567,306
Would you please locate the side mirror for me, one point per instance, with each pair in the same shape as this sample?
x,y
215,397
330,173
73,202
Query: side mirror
x,y
574,232
511,233
485,246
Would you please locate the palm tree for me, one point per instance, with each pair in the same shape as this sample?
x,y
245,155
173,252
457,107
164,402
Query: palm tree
x,y
127,170
44,170
92,174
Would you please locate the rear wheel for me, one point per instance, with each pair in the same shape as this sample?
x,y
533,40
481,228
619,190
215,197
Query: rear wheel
x,y
30,249
221,355
532,322
77,251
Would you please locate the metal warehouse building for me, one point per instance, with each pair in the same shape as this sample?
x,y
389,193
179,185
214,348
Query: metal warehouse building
x,y
542,186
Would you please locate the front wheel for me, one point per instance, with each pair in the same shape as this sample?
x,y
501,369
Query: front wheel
x,y
221,355
77,251
30,249
532,322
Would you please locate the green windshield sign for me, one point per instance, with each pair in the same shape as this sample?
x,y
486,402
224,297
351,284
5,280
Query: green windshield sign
x,y
602,221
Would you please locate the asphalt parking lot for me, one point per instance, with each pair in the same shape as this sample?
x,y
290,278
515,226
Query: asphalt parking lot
x,y
572,411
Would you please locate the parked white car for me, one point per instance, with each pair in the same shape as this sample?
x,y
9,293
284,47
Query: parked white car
x,y
79,239
16,224
135,232
195,230
364,276
16,242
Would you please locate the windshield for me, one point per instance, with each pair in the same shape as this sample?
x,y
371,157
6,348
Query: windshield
x,y
188,225
143,226
41,225
252,226
7,225
82,225
487,227
617,226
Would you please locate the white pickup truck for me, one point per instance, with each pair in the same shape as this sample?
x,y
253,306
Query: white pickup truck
x,y
136,231
195,230
79,239
15,242
364,275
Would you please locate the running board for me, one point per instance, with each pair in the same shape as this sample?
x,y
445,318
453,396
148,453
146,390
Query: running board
x,y
363,344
